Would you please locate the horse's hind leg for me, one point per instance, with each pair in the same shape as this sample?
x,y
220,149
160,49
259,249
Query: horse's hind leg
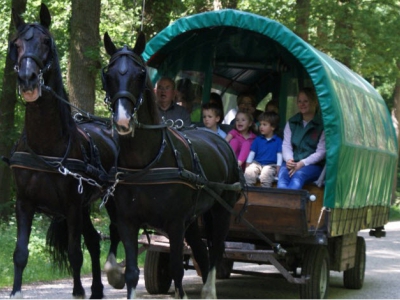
x,y
220,227
92,241
199,249
24,213
176,235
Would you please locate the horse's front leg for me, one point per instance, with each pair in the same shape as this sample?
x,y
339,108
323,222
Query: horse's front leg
x,y
132,272
114,270
75,255
92,242
176,234
24,213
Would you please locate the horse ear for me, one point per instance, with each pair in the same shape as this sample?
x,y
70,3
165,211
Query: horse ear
x,y
140,43
109,45
17,20
45,18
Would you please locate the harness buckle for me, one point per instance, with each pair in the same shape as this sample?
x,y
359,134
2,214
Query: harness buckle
x,y
63,170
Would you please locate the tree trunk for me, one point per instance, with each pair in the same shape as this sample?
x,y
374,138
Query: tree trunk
x,y
84,62
344,32
396,118
8,100
302,16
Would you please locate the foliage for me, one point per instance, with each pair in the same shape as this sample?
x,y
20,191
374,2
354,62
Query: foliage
x,y
395,212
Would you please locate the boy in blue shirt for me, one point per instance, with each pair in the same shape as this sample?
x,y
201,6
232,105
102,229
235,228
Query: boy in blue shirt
x,y
265,157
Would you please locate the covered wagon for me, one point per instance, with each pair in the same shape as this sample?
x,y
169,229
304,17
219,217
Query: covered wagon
x,y
230,52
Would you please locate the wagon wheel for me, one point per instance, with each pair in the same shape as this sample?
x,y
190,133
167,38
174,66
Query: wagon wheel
x,y
354,277
315,265
157,276
224,269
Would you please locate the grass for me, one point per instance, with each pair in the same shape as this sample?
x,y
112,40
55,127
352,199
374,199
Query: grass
x,y
39,267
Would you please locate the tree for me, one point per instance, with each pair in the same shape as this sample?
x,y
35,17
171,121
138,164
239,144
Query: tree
x,y
8,100
302,17
84,62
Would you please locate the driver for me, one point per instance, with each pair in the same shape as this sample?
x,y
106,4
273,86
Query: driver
x,y
168,110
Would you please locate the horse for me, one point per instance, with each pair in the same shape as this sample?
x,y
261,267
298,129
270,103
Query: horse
x,y
166,178
59,167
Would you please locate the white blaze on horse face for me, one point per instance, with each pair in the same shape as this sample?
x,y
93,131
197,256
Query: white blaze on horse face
x,y
122,119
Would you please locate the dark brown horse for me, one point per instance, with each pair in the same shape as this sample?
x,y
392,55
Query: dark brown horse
x,y
59,168
167,178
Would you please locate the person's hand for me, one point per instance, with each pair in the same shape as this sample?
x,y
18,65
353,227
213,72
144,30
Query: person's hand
x,y
296,166
290,164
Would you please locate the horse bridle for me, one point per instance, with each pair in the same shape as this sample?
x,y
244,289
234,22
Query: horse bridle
x,y
137,102
43,68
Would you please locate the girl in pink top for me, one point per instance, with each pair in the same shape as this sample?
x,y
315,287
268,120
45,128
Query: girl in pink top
x,y
241,137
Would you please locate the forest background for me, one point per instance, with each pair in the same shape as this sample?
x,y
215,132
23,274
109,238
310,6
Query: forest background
x,y
362,34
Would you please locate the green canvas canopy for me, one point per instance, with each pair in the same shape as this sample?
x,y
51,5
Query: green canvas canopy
x,y
239,50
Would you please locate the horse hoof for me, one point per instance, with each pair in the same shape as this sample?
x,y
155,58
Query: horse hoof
x,y
17,295
114,273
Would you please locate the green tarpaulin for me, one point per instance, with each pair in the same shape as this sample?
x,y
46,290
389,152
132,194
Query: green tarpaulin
x,y
360,138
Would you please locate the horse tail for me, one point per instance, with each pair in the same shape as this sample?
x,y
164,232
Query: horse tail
x,y
57,244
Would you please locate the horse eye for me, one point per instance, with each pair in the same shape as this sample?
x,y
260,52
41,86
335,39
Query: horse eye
x,y
47,42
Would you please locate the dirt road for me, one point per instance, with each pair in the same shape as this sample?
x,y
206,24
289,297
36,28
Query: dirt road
x,y
381,279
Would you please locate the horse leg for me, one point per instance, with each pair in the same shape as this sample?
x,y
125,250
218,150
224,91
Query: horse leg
x,y
24,213
176,234
220,223
75,255
92,241
199,249
129,237
114,271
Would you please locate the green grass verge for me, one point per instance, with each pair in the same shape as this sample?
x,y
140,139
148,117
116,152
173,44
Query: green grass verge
x,y
394,213
39,267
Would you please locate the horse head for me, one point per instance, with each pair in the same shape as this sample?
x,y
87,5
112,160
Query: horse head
x,y
127,86
32,51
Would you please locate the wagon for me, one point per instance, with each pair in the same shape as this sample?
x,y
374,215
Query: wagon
x,y
229,52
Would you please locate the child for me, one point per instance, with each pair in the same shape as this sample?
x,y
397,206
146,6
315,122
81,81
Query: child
x,y
241,137
265,156
212,114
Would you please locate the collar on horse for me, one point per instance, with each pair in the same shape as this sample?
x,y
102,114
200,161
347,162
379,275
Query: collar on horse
x,y
90,166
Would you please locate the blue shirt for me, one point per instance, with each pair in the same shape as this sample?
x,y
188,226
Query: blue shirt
x,y
266,150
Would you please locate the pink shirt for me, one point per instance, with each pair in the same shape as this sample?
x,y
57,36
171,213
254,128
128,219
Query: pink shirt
x,y
241,145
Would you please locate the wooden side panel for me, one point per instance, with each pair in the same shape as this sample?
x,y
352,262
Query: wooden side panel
x,y
272,211
344,252
344,221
